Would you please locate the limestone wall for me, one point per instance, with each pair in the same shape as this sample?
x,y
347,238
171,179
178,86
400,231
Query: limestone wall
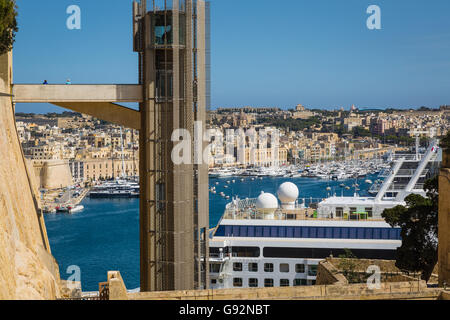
x,y
330,272
398,290
411,290
27,269
444,221
52,174
327,273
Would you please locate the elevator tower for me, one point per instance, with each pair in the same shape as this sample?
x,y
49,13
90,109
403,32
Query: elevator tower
x,y
172,40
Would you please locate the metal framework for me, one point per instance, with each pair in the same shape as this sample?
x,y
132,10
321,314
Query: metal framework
x,y
170,38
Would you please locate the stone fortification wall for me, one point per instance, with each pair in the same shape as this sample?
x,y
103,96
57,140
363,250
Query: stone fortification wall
x,y
27,268
52,174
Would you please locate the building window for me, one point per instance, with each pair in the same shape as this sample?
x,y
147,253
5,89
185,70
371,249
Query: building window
x,y
237,282
299,282
213,281
369,212
312,271
284,267
214,267
162,30
253,283
339,212
284,282
268,267
237,266
253,267
300,268
268,283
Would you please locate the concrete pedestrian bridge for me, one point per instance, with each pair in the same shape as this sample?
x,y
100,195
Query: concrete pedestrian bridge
x,y
77,93
96,100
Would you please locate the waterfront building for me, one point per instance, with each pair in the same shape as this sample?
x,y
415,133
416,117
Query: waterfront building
x,y
102,169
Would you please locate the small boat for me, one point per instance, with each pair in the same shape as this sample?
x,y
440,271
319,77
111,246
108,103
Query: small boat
x,y
77,208
70,209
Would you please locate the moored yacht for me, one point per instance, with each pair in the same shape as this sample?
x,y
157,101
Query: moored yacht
x,y
119,188
69,208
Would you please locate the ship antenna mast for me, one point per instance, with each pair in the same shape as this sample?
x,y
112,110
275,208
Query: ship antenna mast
x,y
123,161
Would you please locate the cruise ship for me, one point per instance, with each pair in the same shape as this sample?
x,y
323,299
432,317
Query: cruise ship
x,y
279,241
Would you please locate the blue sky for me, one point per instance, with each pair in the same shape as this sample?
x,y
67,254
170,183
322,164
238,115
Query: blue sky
x,y
264,53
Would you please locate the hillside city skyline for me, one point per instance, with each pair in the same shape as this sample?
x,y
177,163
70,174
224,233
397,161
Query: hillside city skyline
x,y
320,55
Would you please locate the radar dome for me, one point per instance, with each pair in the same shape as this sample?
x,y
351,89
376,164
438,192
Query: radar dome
x,y
288,192
266,201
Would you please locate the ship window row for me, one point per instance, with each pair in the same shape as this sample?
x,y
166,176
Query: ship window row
x,y
240,252
268,282
268,267
303,253
309,232
322,253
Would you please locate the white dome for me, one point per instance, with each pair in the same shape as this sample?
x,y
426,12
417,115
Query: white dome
x,y
266,201
288,192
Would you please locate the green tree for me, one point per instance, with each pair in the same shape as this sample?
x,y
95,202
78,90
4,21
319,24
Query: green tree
x,y
419,223
8,24
360,132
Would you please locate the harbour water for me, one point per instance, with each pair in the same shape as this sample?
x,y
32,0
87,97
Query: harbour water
x,y
105,235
